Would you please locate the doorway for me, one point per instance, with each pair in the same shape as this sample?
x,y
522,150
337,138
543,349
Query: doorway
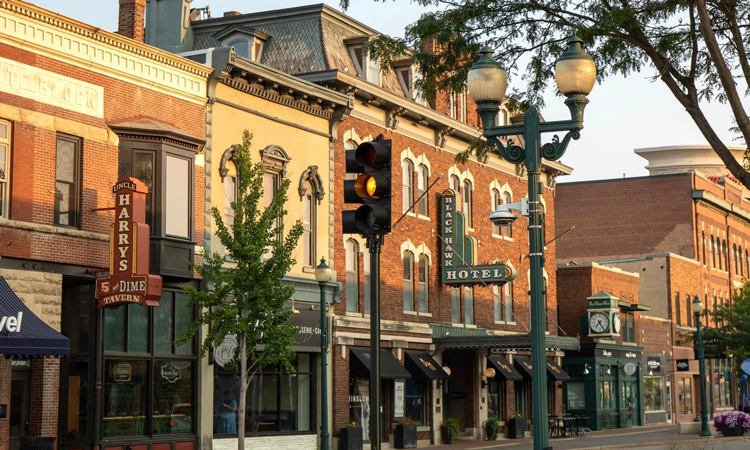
x,y
458,392
20,401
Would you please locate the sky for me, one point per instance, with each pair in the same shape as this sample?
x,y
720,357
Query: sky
x,y
623,113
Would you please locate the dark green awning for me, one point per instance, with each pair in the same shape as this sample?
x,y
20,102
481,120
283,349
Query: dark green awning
x,y
389,365
458,338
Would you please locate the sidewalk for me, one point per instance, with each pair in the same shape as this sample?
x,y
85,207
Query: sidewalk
x,y
644,438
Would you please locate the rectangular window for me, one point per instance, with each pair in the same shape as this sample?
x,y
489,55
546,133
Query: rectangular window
x,y
67,181
508,300
498,304
456,305
469,306
143,169
628,328
173,397
366,267
408,289
495,406
422,180
653,393
416,399
722,390
607,397
677,312
230,197
352,278
689,311
453,100
5,146
276,401
463,98
522,389
308,219
685,394
423,272
125,407
177,198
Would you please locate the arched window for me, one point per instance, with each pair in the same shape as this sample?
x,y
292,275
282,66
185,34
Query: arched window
x,y
739,262
455,184
407,182
724,259
424,269
712,247
747,264
455,305
689,309
466,207
703,243
423,176
240,47
734,252
496,201
352,275
350,145
508,302
230,193
308,225
507,229
408,281
469,305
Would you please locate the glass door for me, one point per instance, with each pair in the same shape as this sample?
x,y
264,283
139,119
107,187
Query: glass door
x,y
19,414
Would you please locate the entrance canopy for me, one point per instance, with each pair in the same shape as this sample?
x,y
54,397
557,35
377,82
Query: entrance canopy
x,y
423,366
554,371
389,365
503,368
23,334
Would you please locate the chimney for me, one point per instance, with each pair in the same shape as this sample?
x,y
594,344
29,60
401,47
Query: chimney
x,y
232,13
131,19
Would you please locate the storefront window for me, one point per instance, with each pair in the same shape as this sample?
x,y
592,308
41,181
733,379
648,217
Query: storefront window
x,y
173,397
522,389
606,395
276,401
77,385
495,399
653,389
685,395
415,401
576,395
126,386
722,392
359,404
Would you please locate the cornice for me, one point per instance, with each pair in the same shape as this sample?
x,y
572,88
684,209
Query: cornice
x,y
62,38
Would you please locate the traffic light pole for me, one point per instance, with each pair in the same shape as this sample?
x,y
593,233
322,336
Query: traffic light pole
x,y
374,243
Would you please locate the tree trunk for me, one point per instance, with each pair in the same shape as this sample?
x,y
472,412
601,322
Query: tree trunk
x,y
243,392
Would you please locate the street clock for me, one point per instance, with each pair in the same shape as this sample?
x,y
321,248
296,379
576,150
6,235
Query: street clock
x,y
603,315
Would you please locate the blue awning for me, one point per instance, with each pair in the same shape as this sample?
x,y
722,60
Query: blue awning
x,y
22,333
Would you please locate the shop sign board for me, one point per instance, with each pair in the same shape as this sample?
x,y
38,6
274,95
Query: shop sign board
x,y
129,281
653,364
170,373
458,251
308,328
224,352
629,369
399,399
122,373
626,354
683,365
11,324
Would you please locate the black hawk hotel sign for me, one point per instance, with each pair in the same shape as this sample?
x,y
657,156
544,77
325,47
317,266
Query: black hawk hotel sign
x,y
458,251
130,238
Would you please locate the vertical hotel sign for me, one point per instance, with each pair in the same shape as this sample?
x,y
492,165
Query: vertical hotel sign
x,y
458,251
129,280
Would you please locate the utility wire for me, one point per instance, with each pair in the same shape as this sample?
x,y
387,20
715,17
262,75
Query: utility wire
x,y
416,201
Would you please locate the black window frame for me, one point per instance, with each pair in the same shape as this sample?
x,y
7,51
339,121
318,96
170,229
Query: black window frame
x,y
74,212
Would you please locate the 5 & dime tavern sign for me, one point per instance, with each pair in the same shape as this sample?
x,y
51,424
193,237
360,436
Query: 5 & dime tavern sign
x,y
130,236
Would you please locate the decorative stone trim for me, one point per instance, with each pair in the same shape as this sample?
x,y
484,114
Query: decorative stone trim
x,y
275,158
266,91
311,174
228,155
50,229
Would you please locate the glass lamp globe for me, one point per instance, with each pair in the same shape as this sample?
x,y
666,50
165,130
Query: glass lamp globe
x,y
487,80
490,372
575,71
697,305
323,272
447,370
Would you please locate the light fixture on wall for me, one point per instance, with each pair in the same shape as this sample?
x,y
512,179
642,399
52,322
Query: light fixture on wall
x,y
609,369
585,369
447,370
293,309
489,373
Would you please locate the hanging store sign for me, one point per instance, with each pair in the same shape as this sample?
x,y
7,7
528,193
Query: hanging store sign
x,y
653,364
683,365
629,369
130,239
399,399
458,251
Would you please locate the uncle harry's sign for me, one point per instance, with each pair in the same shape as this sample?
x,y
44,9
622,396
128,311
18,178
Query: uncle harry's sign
x,y
129,240
458,251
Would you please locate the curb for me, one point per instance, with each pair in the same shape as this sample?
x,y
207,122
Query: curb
x,y
668,443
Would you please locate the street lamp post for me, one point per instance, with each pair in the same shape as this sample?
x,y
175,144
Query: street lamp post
x,y
323,276
697,310
575,74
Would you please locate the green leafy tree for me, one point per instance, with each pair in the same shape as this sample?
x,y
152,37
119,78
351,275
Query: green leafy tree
x,y
730,326
697,48
247,296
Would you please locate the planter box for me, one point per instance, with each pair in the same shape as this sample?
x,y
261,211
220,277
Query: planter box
x,y
406,436
517,428
446,434
350,439
736,431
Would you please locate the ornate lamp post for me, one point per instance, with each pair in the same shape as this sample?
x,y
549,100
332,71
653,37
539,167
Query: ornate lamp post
x,y
323,276
697,310
575,74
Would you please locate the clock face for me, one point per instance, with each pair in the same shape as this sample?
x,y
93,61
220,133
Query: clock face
x,y
599,323
616,322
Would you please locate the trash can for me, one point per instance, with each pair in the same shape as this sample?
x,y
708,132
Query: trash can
x,y
37,443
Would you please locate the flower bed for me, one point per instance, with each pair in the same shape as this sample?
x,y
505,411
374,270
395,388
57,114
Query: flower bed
x,y
737,421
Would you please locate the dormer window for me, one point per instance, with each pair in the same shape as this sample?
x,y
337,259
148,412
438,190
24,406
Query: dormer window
x,y
367,68
407,75
247,42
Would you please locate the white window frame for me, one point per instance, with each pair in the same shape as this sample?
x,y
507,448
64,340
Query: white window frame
x,y
408,281
5,171
423,285
423,178
352,270
407,185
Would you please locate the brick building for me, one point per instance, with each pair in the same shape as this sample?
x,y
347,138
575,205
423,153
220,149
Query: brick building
x,y
422,318
79,108
684,229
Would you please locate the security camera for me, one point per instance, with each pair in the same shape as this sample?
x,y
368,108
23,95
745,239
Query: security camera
x,y
502,216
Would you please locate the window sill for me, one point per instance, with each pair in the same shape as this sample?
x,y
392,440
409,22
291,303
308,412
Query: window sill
x,y
499,322
425,314
510,323
427,218
423,428
353,314
308,269
457,325
410,313
410,214
470,326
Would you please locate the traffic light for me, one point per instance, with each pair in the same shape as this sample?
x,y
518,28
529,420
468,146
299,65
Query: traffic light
x,y
371,161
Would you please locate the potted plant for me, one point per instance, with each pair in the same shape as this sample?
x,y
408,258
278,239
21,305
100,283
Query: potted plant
x,y
449,430
492,428
406,433
351,436
517,426
732,423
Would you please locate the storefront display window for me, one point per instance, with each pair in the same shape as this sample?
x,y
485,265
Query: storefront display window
x,y
653,393
126,387
276,401
415,401
359,405
522,389
722,390
607,395
685,395
495,399
173,397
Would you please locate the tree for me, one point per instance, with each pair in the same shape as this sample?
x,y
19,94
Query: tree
x,y
697,48
731,330
247,297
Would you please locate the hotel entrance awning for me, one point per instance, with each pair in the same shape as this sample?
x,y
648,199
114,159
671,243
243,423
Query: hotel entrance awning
x,y
23,334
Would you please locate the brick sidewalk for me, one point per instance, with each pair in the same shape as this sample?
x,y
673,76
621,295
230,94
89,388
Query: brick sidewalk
x,y
648,437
